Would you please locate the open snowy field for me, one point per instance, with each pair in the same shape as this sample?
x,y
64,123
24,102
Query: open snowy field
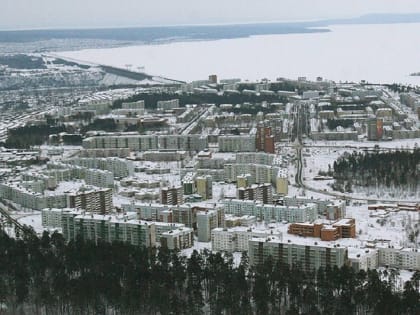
x,y
319,158
382,53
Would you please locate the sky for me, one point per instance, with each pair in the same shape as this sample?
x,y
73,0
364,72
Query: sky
x,y
27,14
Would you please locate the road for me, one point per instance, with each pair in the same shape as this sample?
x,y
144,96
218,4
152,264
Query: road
x,y
4,211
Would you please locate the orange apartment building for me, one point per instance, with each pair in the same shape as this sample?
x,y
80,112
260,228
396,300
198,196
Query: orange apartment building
x,y
345,228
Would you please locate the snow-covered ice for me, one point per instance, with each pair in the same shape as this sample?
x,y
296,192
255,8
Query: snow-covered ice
x,y
378,53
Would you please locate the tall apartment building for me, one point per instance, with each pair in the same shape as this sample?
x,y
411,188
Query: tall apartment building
x,y
206,222
282,182
26,198
308,256
106,228
133,105
131,141
172,195
163,227
259,173
104,153
119,167
184,214
265,139
168,105
237,239
99,178
403,258
67,172
237,143
181,238
183,142
188,183
268,213
265,193
332,209
146,211
255,158
130,109
375,129
363,258
96,200
204,186
261,193
52,217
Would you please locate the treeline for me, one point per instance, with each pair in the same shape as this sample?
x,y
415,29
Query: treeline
x,y
390,169
400,88
105,124
150,100
27,136
332,124
22,61
47,276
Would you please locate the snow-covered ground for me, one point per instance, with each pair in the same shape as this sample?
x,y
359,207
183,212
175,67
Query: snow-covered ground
x,y
347,53
321,158
377,225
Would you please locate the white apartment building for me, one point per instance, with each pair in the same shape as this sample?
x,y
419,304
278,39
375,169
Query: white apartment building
x,y
363,258
258,173
181,238
52,217
306,254
163,227
237,239
403,258
237,143
99,178
132,141
119,167
108,228
206,222
168,105
183,142
255,158
268,213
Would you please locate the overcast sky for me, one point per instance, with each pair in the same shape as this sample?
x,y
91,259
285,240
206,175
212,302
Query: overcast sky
x,y
21,14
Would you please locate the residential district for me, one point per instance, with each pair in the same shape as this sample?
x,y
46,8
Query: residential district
x,y
226,165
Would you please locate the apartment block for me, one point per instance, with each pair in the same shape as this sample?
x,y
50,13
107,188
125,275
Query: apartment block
x,y
206,222
119,167
184,214
181,238
265,139
168,105
402,258
308,256
52,217
92,200
363,258
131,141
204,186
237,143
111,229
261,193
237,239
172,195
183,142
345,228
163,227
259,173
268,213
